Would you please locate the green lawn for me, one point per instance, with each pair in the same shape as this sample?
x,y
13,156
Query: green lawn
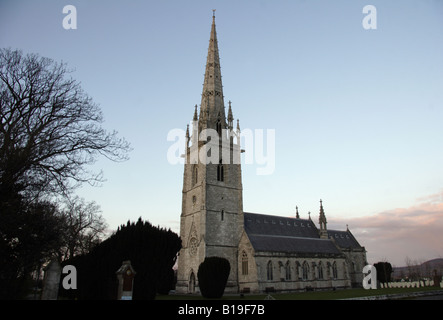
x,y
314,295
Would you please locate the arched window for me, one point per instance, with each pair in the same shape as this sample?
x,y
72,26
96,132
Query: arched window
x,y
195,175
222,215
298,271
220,172
219,127
269,271
334,270
288,271
191,284
320,271
305,271
244,264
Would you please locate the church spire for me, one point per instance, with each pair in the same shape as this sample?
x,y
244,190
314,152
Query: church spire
x,y
187,136
322,221
212,103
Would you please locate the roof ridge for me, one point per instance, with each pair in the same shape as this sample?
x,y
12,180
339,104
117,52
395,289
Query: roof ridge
x,y
282,217
283,236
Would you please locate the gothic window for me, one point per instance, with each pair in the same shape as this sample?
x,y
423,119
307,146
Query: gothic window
x,y
220,172
222,215
191,285
298,271
219,127
314,271
305,271
269,271
195,176
288,271
320,271
334,270
244,264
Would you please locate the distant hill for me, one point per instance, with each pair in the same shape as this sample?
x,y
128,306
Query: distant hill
x,y
423,270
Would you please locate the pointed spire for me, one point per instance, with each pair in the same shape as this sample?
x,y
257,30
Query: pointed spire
x,y
322,217
322,222
230,116
212,95
195,114
297,215
187,136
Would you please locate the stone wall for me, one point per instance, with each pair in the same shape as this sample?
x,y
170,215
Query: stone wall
x,y
282,273
356,260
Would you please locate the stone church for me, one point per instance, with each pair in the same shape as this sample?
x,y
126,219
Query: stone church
x,y
266,252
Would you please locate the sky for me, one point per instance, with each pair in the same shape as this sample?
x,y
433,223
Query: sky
x,y
357,113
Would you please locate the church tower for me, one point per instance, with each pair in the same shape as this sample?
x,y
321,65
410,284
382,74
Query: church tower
x,y
212,206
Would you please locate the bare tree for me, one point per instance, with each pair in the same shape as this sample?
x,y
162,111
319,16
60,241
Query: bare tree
x,y
410,265
50,131
50,128
85,227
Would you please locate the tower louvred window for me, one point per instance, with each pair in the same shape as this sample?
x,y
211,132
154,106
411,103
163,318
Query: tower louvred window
x,y
195,175
219,127
220,172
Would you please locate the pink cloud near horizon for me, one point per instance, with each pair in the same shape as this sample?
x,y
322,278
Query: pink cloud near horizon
x,y
393,235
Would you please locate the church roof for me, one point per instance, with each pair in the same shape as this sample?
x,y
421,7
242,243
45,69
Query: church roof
x,y
284,234
344,239
271,243
279,226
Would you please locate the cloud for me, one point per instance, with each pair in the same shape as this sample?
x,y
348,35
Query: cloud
x,y
393,235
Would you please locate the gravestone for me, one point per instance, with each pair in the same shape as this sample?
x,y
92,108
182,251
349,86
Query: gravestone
x,y
51,280
125,276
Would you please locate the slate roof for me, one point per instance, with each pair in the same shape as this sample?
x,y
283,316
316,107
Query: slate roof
x,y
283,234
344,239
286,244
279,226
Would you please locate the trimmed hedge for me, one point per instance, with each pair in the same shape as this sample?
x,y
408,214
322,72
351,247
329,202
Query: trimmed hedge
x,y
213,275
151,250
